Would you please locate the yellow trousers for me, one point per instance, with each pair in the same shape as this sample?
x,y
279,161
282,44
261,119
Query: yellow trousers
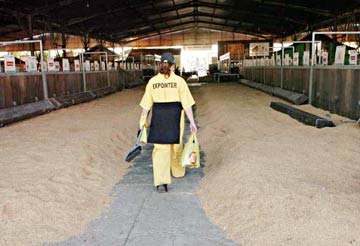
x,y
166,159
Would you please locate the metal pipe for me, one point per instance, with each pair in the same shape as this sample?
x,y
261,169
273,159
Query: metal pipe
x,y
303,42
123,57
83,70
264,74
133,66
43,73
19,42
282,65
338,32
311,67
252,68
123,67
107,68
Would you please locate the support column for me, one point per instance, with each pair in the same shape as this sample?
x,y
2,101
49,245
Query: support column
x,y
64,41
30,33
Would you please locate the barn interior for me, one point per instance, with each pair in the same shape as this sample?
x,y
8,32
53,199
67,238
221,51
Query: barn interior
x,y
277,92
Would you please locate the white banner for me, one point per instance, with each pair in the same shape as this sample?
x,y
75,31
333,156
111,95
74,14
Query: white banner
x,y
77,65
96,66
57,66
262,62
65,65
87,66
340,55
353,57
51,64
306,58
31,64
324,58
225,56
103,67
44,66
259,49
9,63
278,60
266,61
296,59
288,60
272,61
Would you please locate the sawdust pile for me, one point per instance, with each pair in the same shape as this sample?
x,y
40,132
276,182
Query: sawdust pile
x,y
273,181
57,170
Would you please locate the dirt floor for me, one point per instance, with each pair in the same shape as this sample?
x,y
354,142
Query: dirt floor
x,y
273,181
270,180
57,170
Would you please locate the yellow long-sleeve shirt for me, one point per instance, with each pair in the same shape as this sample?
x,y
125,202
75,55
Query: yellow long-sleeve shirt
x,y
162,90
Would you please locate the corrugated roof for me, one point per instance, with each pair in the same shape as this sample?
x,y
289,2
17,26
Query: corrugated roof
x,y
122,21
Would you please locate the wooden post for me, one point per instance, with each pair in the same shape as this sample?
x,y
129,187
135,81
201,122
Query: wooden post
x,y
85,40
64,41
30,33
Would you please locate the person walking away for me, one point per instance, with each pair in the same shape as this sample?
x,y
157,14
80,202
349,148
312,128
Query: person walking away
x,y
168,96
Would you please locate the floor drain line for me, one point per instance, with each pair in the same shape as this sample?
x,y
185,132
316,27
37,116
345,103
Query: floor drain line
x,y
136,218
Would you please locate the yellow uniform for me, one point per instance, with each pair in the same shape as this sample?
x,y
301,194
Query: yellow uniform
x,y
166,157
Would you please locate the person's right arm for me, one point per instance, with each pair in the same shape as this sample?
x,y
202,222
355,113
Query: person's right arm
x,y
187,102
190,115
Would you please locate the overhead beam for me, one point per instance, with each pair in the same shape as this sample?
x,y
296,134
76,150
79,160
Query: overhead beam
x,y
50,7
249,13
122,8
142,16
154,35
264,23
189,28
282,4
340,19
222,27
177,12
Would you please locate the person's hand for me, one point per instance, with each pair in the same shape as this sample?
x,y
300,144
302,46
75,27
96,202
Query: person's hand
x,y
193,127
142,121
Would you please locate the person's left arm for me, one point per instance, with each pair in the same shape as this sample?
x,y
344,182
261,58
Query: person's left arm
x,y
143,117
146,104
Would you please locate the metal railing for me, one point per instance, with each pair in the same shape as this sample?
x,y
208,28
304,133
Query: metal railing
x,y
43,72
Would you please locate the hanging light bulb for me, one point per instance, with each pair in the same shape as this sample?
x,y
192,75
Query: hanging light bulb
x,y
87,4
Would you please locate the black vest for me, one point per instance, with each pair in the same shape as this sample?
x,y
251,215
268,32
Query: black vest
x,y
165,123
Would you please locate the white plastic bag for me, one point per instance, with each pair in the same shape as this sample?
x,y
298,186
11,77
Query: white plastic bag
x,y
191,154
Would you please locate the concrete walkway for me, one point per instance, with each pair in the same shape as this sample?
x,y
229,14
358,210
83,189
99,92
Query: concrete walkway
x,y
139,215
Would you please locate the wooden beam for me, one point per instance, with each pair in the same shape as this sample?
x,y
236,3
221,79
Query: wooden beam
x,y
302,116
26,111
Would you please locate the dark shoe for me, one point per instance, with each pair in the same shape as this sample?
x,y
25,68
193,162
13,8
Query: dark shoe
x,y
162,188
